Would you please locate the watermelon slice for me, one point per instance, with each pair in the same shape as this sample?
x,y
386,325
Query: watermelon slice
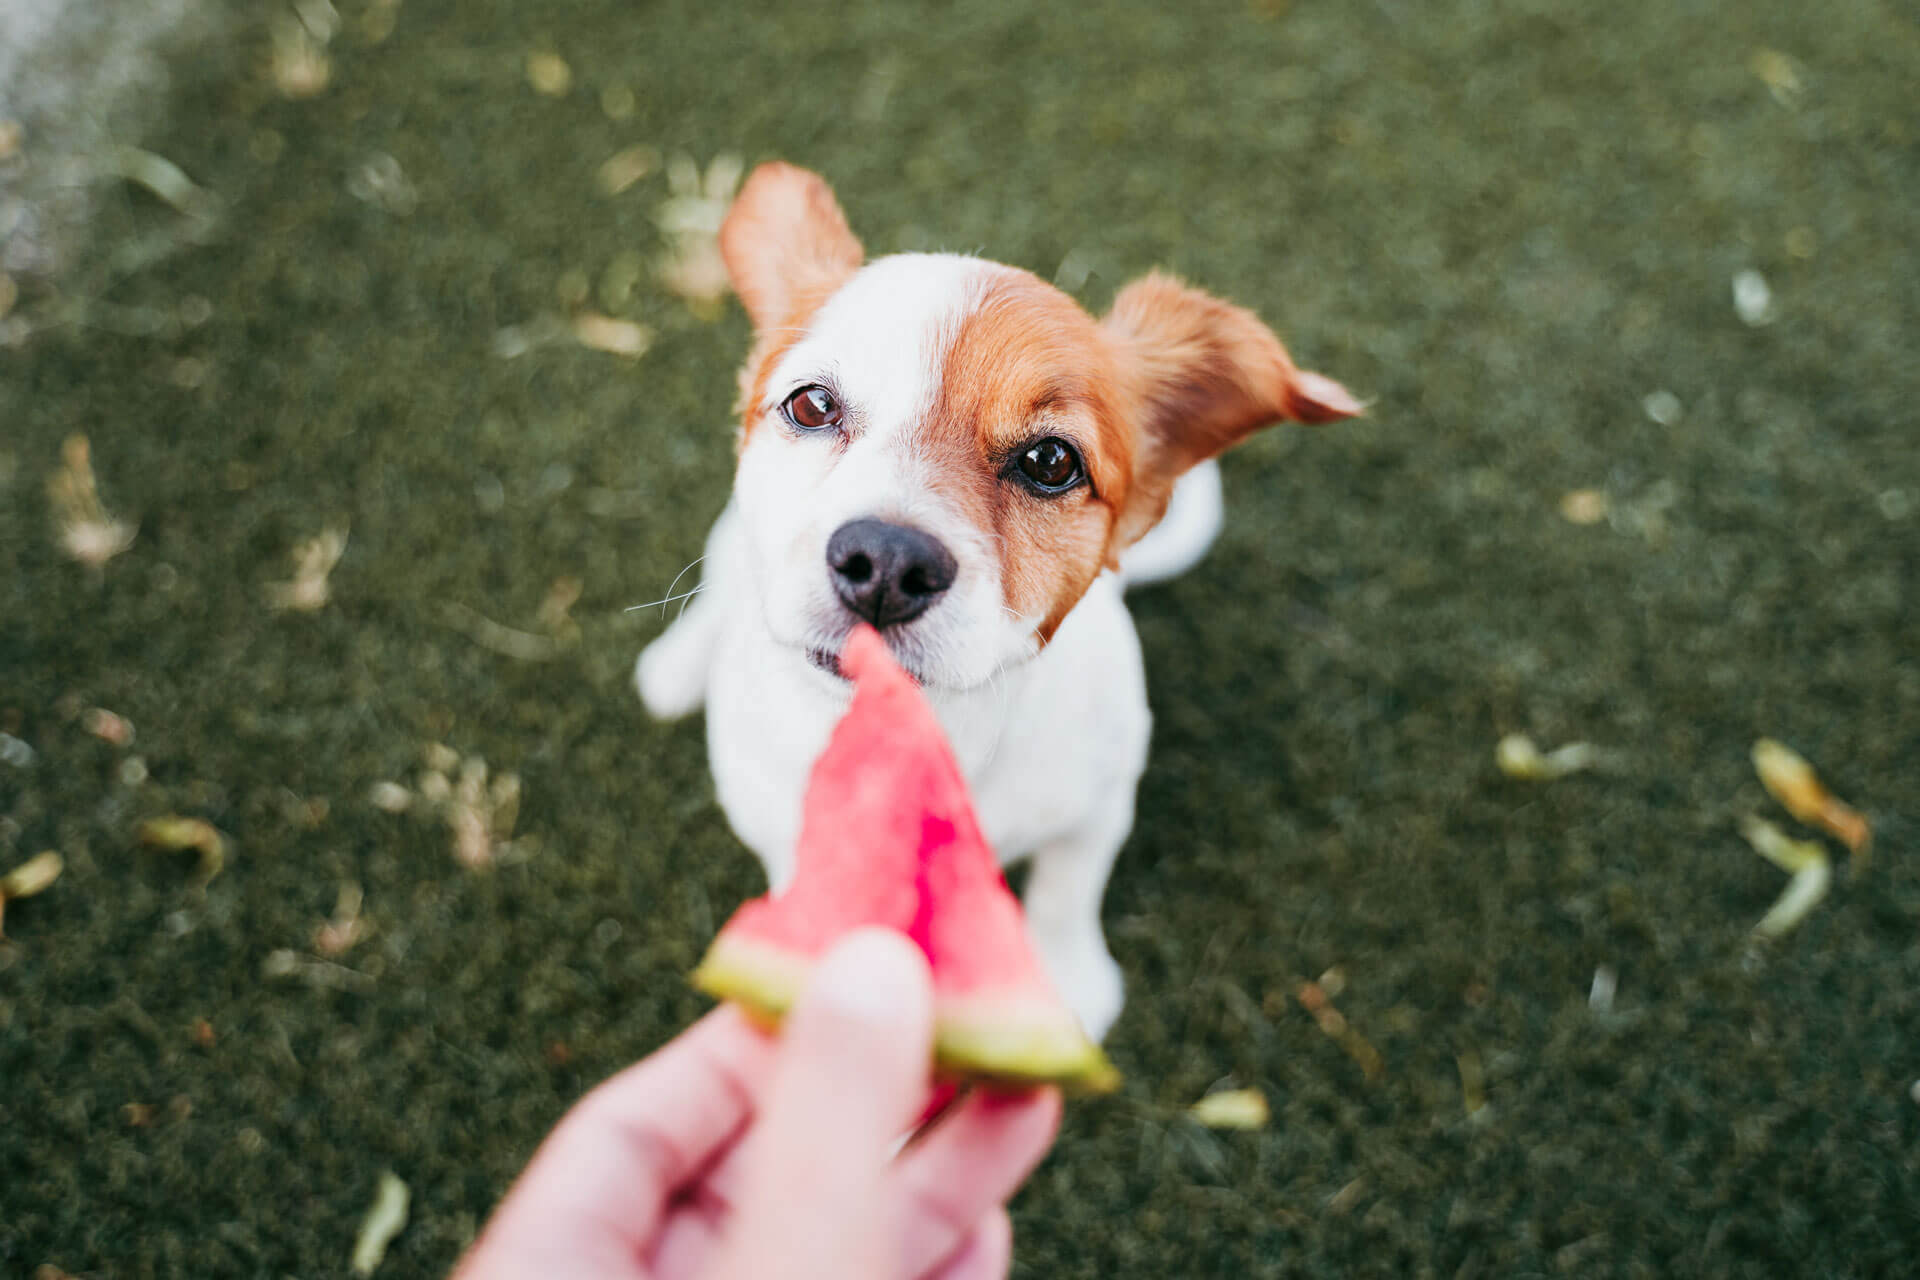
x,y
889,838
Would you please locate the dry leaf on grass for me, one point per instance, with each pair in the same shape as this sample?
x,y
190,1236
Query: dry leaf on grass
x,y
112,729
1584,506
612,335
88,531
1232,1109
1518,757
1789,779
174,832
299,66
1805,861
479,812
385,1219
33,876
1335,1026
549,74
313,561
345,928
691,218
624,168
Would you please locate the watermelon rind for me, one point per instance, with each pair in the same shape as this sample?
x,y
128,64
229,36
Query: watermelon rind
x,y
975,1038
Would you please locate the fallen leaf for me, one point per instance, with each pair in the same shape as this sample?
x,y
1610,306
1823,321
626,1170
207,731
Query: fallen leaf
x,y
1518,757
1232,1109
522,646
1346,1197
1805,861
344,929
1600,994
616,337
1789,779
106,726
1473,1088
321,974
299,64
33,876
618,101
382,183
30,877
385,1219
88,531
691,217
313,561
624,168
1334,1025
174,832
1584,506
1752,299
1776,71
166,180
389,797
549,74
555,610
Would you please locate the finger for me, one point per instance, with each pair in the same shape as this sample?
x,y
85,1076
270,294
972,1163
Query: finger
x,y
986,1253
600,1180
968,1165
852,1075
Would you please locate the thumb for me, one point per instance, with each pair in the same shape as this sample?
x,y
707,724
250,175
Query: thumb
x,y
852,1075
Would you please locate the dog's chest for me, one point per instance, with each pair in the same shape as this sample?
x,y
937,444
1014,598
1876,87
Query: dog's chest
x,y
1046,748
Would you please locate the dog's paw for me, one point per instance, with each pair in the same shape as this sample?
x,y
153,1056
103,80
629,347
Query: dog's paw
x,y
669,686
1089,981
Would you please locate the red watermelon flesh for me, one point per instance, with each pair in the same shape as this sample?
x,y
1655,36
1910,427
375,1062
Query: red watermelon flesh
x,y
888,837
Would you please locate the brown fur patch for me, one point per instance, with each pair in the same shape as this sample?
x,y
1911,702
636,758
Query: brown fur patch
x,y
1200,375
1027,363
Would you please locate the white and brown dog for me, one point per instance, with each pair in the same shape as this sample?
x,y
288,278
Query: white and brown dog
x,y
955,452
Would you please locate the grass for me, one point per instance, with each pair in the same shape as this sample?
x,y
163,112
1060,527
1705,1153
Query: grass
x,y
1506,225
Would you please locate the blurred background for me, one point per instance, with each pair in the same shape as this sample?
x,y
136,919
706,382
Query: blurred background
x,y
361,363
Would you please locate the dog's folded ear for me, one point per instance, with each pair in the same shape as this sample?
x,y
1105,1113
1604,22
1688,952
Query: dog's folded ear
x,y
786,244
1200,376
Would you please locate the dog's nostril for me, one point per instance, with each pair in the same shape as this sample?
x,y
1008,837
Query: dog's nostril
x,y
856,568
916,582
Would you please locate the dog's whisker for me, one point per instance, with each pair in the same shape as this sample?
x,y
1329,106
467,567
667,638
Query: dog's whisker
x,y
687,597
669,598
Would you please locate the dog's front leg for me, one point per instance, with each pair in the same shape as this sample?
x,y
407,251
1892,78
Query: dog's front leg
x,y
1064,889
672,672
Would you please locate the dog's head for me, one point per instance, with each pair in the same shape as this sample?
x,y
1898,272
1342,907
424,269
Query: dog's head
x,y
952,449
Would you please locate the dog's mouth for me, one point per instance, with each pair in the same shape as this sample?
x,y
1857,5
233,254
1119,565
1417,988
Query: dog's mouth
x,y
828,661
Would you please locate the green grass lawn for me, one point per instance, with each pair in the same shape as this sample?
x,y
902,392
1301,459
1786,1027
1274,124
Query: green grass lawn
x,y
1506,225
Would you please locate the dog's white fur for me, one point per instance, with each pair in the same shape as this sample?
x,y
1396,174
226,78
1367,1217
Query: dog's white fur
x,y
1052,739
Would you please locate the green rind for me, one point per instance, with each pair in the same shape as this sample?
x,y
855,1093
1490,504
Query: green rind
x,y
967,1045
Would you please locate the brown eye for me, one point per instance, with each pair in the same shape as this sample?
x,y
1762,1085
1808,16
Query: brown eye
x,y
1051,465
813,409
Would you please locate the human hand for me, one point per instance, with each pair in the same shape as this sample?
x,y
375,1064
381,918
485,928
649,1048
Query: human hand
x,y
733,1155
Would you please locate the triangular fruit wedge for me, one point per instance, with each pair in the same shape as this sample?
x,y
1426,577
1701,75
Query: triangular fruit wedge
x,y
888,837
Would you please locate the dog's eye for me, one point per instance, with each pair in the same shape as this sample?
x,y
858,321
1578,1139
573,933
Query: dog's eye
x,y
1051,465
813,409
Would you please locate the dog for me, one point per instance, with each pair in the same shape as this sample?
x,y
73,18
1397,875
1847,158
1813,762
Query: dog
x,y
955,452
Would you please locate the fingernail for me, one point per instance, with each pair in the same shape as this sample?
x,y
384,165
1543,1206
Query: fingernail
x,y
874,976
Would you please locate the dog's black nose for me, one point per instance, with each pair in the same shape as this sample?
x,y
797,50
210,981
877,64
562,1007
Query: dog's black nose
x,y
887,573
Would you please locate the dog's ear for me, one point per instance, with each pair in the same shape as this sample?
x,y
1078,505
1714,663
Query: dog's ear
x,y
786,244
1201,375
